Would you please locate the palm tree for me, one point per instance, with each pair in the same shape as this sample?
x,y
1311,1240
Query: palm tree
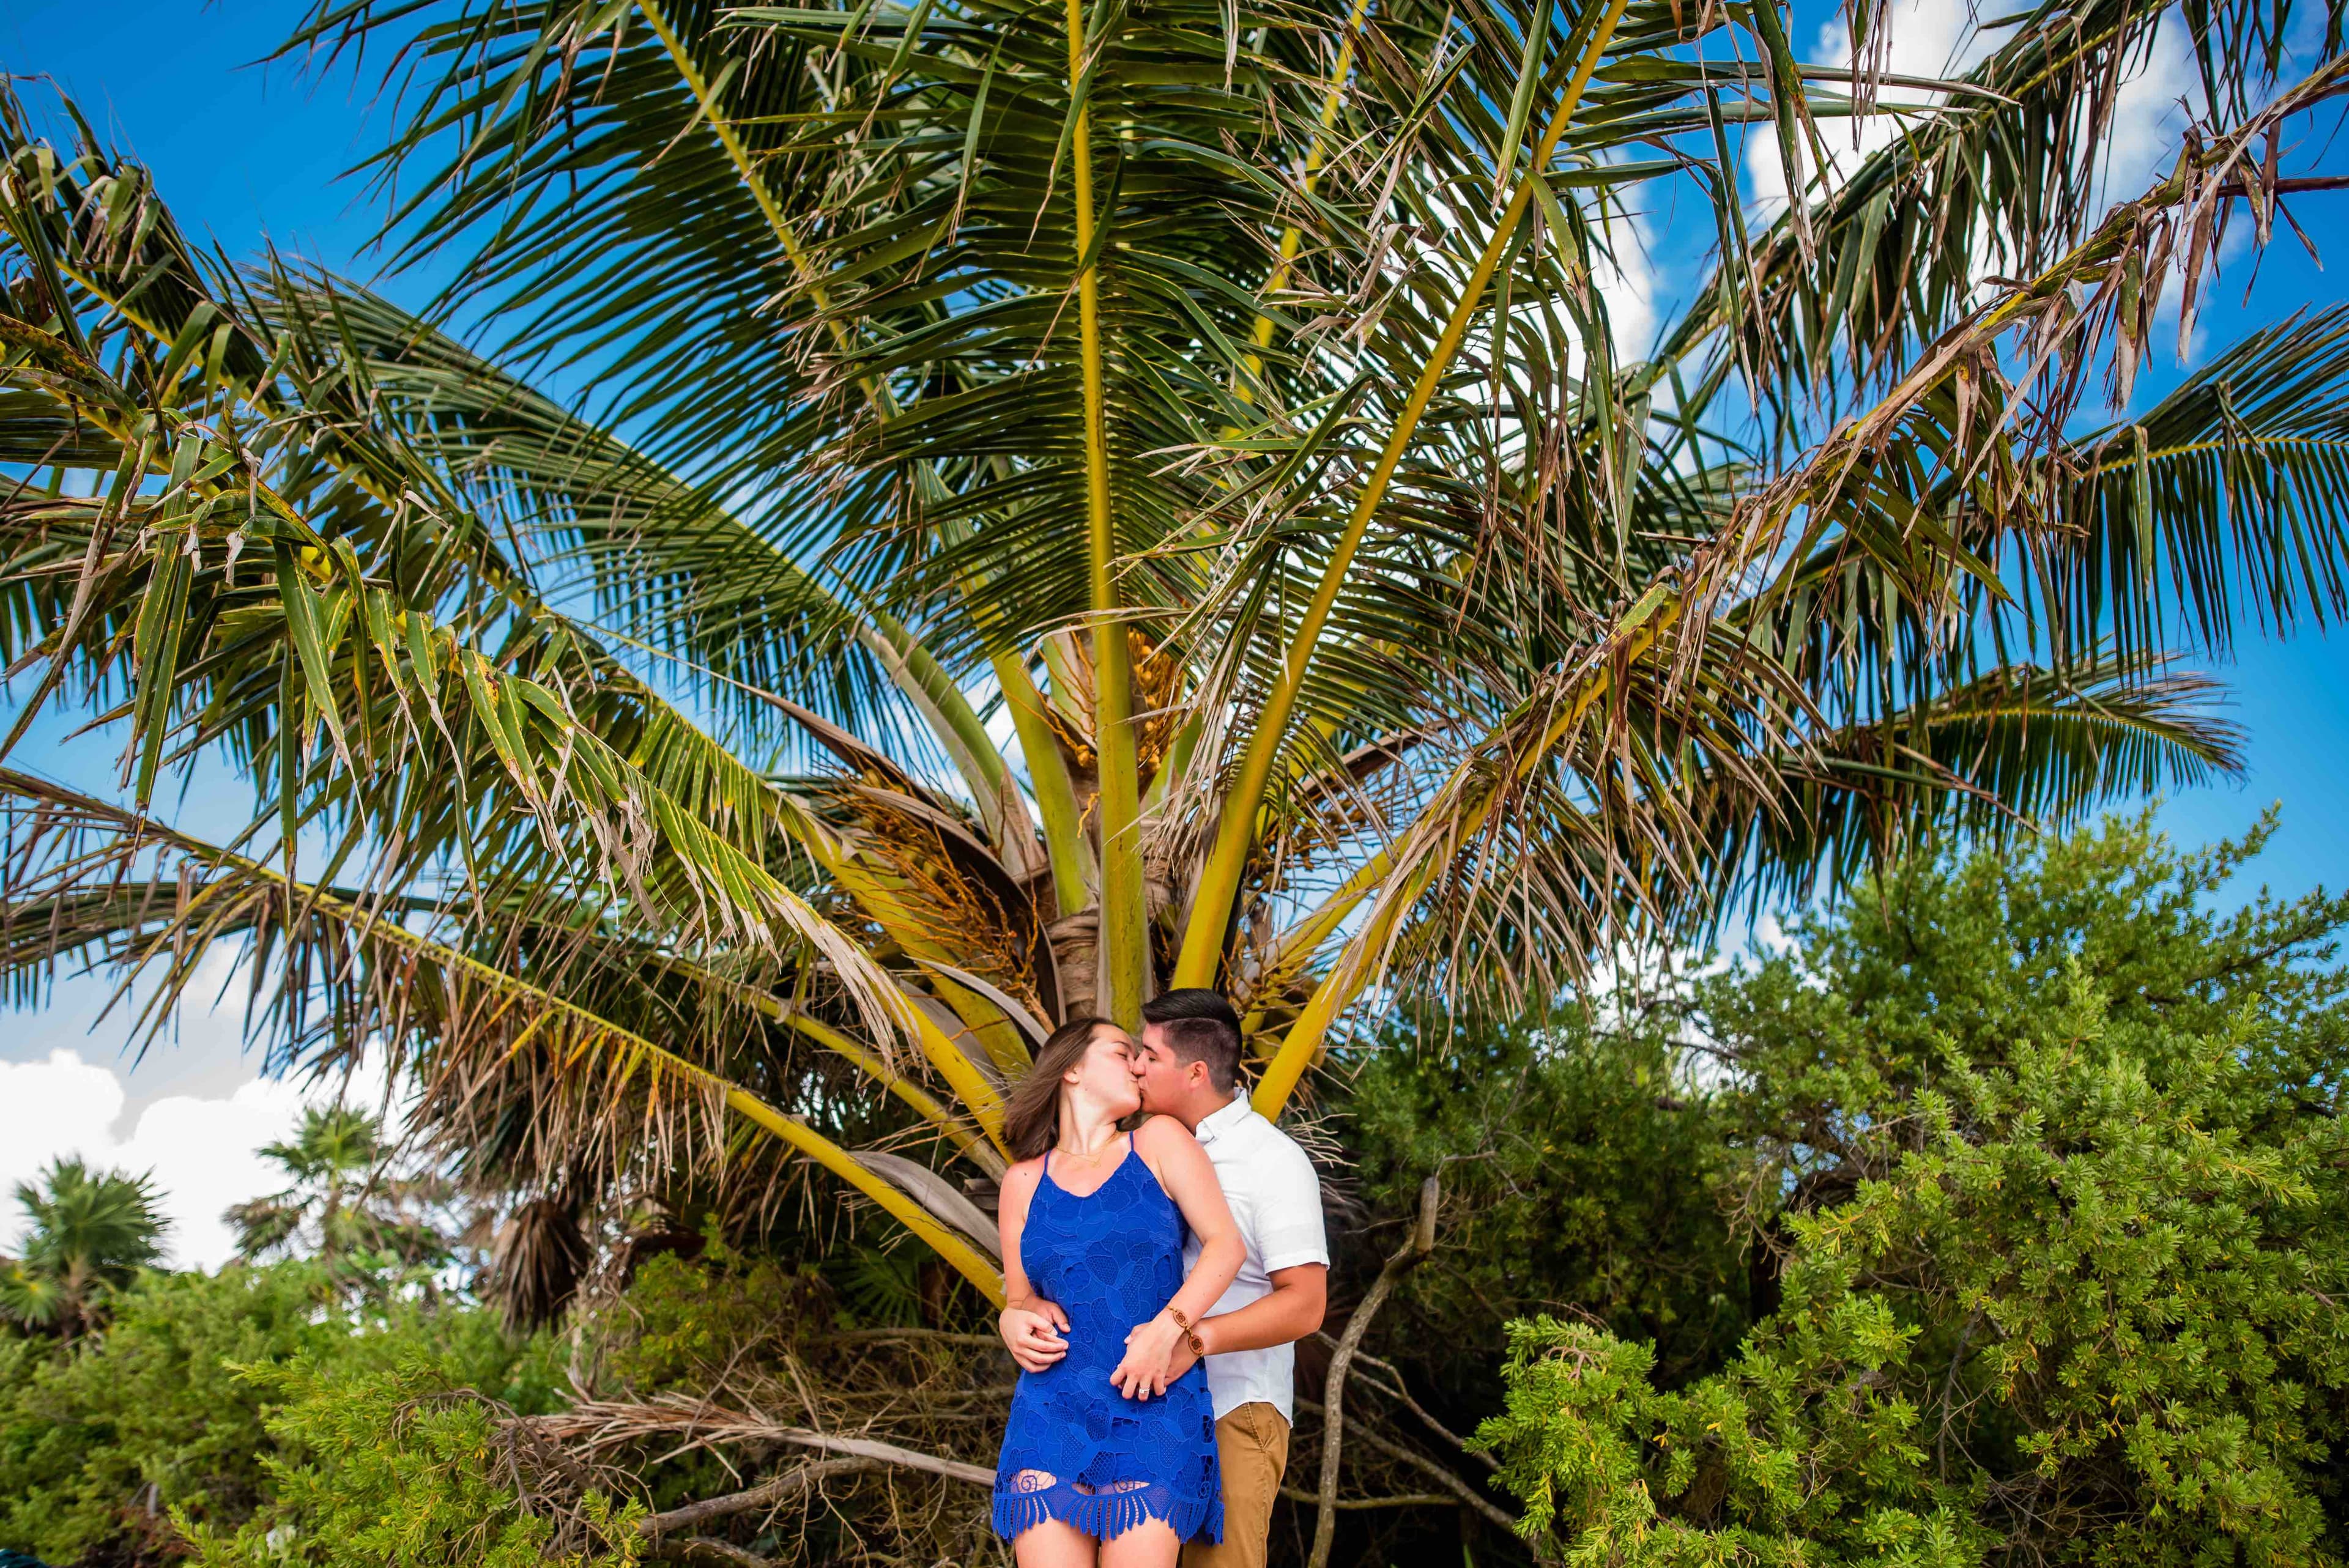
x,y
342,1206
88,1234
1052,502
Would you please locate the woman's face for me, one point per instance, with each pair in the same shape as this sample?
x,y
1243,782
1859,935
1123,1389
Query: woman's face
x,y
1104,1074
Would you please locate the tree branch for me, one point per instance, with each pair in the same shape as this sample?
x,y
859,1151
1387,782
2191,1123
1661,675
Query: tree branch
x,y
1402,1396
1410,1255
765,1494
709,1548
1462,1491
699,1423
1401,1500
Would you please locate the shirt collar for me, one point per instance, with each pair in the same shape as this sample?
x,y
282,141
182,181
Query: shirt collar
x,y
1215,1125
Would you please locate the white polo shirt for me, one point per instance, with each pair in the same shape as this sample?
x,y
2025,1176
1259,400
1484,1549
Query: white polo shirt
x,y
1276,1199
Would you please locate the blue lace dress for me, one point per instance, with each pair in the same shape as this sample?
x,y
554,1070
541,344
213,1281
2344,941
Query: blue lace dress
x,y
1076,1448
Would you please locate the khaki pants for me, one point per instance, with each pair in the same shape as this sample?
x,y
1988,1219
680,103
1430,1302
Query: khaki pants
x,y
1252,1444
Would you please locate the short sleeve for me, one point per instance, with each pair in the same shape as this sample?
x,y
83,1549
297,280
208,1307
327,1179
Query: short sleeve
x,y
1289,1231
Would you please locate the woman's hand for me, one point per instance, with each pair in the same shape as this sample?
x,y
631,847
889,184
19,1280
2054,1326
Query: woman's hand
x,y
1148,1349
1032,1332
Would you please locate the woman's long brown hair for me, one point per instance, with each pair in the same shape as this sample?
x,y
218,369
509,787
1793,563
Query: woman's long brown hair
x,y
1032,1121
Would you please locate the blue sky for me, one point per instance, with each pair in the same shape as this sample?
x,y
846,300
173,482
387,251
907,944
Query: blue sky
x,y
243,152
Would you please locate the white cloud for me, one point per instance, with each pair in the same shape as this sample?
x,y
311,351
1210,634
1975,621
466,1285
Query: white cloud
x,y
1626,281
1944,38
1924,38
203,1149
202,1154
2150,113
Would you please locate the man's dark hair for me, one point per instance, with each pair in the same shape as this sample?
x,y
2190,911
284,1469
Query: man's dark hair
x,y
1201,1026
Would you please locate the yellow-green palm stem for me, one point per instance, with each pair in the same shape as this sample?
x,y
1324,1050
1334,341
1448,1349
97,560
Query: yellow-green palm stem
x,y
1292,237
1176,765
1337,990
1203,938
1124,934
971,1087
622,1042
877,896
903,1210
884,896
931,1109
739,156
960,732
1298,942
881,897
942,704
1070,679
1075,874
1357,964
997,1035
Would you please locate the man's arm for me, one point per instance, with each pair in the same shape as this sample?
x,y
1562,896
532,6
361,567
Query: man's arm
x,y
1301,1295
1283,1226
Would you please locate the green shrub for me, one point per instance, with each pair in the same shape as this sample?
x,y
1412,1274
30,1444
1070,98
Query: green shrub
x,y
402,1467
97,1441
1578,1166
2059,1183
174,1410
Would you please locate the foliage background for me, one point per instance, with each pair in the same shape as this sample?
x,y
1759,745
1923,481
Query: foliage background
x,y
246,152
2003,1217
1596,1174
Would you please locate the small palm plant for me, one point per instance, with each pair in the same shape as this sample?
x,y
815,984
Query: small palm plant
x,y
1054,502
342,1205
88,1234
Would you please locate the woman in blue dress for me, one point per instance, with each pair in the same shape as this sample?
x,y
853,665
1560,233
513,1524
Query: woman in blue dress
x,y
1106,1464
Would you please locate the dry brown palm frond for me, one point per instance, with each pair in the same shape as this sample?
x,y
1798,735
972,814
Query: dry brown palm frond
x,y
542,1256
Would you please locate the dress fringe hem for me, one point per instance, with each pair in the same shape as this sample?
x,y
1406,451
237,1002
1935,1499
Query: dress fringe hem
x,y
1106,1515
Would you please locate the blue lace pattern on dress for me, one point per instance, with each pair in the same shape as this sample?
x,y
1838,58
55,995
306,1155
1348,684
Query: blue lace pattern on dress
x,y
1077,1449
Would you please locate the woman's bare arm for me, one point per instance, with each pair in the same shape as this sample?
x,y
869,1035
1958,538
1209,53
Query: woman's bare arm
x,y
1031,1326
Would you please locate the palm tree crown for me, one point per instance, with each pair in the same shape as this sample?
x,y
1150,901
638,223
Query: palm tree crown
x,y
342,1205
88,1234
1059,502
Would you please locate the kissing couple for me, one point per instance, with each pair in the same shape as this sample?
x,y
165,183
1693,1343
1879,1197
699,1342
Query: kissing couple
x,y
1157,1281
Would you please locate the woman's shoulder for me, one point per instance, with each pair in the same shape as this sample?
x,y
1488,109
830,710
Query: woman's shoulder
x,y
1021,1176
1158,1134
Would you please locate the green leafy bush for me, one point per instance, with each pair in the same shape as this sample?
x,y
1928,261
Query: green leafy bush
x,y
99,1440
2052,1158
401,1467
1577,1167
177,1410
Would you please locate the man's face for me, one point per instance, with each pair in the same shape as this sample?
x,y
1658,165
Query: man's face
x,y
1163,1076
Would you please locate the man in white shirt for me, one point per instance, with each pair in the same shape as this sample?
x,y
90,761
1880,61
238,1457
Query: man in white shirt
x,y
1188,1069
